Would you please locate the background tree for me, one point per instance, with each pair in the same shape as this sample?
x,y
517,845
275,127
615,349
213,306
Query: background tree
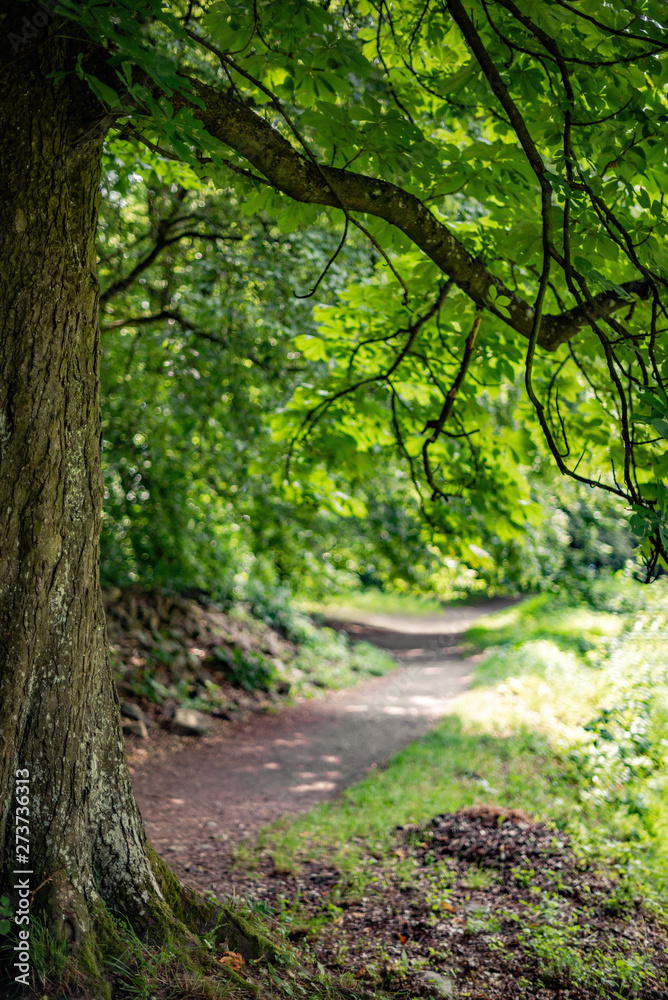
x,y
506,161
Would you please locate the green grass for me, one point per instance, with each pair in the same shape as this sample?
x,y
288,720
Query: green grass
x,y
543,618
441,772
567,719
373,602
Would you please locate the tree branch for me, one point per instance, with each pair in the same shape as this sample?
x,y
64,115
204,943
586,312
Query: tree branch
x,y
153,318
161,244
233,123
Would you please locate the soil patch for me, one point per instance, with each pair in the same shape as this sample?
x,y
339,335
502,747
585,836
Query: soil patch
x,y
483,903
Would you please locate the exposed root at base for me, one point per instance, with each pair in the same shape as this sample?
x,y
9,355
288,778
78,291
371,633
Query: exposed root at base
x,y
173,943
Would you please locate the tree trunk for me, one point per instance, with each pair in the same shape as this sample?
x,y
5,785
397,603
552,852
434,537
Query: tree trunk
x,y
59,713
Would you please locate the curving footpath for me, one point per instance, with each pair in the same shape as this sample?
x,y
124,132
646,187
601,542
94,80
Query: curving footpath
x,y
219,791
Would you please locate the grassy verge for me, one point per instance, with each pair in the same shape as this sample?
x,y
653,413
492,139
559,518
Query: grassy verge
x,y
372,602
565,729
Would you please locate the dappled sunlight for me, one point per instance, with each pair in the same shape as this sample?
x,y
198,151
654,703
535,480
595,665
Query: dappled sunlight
x,y
539,686
315,786
564,627
584,620
399,710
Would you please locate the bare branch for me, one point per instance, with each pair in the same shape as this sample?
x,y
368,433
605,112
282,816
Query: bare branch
x,y
161,243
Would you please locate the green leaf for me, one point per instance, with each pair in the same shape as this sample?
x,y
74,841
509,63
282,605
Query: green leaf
x,y
107,95
660,426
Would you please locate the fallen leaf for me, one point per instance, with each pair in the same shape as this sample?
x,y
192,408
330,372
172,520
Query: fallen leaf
x,y
233,960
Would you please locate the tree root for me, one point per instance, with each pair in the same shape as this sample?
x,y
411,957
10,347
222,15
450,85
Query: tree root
x,y
175,935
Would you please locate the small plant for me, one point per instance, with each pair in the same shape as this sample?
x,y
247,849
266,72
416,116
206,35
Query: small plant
x,y
617,975
144,685
523,876
554,878
249,670
562,962
481,922
554,947
259,907
479,878
5,914
439,900
209,939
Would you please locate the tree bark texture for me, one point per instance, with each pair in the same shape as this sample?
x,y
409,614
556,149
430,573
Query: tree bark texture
x,y
59,714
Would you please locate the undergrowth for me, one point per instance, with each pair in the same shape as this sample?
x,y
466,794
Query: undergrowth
x,y
170,648
567,719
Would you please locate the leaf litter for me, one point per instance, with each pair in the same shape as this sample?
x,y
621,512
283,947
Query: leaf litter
x,y
482,903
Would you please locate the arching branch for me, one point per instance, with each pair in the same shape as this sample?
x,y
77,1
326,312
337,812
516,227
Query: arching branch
x,y
236,125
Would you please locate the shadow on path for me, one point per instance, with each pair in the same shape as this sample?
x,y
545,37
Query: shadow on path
x,y
229,787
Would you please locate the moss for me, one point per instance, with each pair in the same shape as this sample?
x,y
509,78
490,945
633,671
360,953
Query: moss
x,y
85,965
236,980
108,941
178,941
88,961
198,913
243,937
192,910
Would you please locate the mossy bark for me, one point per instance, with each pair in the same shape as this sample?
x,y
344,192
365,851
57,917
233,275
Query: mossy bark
x,y
59,713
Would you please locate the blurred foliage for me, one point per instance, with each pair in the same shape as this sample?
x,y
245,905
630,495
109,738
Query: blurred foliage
x,y
199,356
594,675
256,441
198,319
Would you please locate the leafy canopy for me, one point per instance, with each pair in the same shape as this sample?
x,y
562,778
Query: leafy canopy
x,y
506,161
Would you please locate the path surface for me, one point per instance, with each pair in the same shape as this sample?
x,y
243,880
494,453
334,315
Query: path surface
x,y
228,787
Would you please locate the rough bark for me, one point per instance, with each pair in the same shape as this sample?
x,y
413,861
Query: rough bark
x,y
59,714
60,723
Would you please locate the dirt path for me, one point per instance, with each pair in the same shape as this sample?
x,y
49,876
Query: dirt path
x,y
219,791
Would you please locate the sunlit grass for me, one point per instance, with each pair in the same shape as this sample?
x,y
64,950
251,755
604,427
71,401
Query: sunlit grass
x,y
521,738
543,618
373,602
442,772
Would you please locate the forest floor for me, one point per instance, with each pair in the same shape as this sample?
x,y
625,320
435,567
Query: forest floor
x,y
201,802
482,822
